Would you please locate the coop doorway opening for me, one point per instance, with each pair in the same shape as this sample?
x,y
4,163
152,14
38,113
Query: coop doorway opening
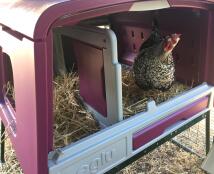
x,y
85,62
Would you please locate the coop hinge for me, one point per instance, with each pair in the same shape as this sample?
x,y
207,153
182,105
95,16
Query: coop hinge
x,y
14,33
54,155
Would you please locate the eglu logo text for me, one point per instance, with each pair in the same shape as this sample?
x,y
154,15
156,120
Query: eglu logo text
x,y
94,165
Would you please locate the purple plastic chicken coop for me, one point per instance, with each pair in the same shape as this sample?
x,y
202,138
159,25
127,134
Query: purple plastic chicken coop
x,y
27,32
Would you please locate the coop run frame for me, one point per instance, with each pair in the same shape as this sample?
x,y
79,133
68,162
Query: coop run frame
x,y
30,49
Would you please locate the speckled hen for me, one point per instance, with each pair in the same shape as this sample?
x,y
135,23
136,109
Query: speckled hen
x,y
154,66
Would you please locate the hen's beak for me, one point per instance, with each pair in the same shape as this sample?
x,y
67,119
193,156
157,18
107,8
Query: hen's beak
x,y
176,38
179,35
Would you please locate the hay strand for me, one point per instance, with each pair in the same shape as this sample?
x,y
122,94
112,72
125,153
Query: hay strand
x,y
71,120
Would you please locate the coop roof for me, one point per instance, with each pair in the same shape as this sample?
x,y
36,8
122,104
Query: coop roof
x,y
33,18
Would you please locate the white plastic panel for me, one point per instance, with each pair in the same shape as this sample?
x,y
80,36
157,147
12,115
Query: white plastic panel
x,y
149,5
97,160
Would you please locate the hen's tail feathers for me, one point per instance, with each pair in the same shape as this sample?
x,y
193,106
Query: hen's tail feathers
x,y
155,24
155,36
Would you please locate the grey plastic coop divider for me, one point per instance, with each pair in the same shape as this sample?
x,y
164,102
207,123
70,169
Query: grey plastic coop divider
x,y
112,69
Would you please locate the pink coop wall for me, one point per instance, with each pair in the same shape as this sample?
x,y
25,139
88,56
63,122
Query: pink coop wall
x,y
132,29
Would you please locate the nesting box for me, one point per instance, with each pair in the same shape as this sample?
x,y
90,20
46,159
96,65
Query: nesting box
x,y
27,50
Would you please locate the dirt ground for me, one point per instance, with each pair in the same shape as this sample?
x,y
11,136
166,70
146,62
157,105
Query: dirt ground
x,y
167,159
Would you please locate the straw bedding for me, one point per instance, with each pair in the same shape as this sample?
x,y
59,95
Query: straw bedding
x,y
12,165
136,99
72,122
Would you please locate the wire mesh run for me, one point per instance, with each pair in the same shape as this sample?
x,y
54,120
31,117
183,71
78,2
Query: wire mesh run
x,y
194,138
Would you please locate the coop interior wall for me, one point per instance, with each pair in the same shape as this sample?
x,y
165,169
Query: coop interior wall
x,y
133,28
189,55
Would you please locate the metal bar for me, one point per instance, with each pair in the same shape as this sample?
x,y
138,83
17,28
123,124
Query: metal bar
x,y
187,149
2,143
208,132
155,145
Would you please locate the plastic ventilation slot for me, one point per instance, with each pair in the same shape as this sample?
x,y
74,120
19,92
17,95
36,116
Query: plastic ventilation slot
x,y
132,32
142,35
134,48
